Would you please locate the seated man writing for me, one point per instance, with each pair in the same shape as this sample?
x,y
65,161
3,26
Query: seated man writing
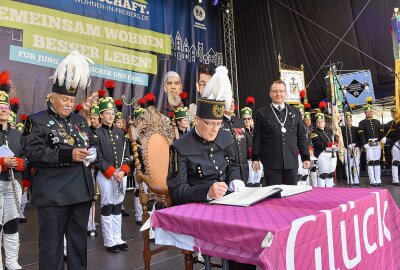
x,y
202,162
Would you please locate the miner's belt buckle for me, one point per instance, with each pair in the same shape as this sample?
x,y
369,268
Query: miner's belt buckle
x,y
373,142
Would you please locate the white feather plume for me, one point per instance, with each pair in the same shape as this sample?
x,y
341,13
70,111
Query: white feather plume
x,y
219,87
73,71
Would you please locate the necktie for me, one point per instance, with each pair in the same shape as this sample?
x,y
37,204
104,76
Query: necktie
x,y
279,108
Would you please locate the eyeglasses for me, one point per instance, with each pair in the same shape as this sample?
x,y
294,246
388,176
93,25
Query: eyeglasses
x,y
245,119
4,107
217,125
278,91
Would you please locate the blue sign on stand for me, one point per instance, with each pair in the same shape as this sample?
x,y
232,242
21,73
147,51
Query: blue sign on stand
x,y
357,86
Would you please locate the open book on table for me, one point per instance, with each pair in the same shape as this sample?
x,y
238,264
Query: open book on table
x,y
251,195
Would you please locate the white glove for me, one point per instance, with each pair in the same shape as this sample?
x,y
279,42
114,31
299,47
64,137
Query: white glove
x,y
91,157
236,185
383,140
366,146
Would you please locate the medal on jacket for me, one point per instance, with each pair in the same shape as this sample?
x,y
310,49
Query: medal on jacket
x,y
283,129
71,140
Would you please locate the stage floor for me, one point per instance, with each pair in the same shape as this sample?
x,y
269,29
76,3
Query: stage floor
x,y
99,259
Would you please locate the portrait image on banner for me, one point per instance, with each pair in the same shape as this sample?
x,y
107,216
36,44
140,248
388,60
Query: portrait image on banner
x,y
133,43
294,80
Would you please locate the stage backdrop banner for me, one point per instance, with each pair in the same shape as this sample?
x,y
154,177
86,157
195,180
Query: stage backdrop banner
x,y
132,42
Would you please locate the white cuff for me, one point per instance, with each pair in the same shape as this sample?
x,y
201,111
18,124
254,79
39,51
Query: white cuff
x,y
236,185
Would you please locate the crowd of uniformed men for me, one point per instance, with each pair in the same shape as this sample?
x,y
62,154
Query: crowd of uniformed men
x,y
58,152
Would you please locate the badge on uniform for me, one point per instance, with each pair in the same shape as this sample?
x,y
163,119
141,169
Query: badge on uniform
x,y
84,136
52,140
28,126
71,140
173,161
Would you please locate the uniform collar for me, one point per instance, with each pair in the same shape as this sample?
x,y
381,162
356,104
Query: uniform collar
x,y
107,127
183,131
198,137
283,106
51,111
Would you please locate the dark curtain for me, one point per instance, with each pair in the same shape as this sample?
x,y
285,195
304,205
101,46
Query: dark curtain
x,y
301,42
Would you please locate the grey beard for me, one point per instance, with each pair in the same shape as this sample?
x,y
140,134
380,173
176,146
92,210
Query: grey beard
x,y
174,101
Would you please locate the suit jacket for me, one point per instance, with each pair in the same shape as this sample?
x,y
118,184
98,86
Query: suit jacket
x,y
275,149
57,180
195,164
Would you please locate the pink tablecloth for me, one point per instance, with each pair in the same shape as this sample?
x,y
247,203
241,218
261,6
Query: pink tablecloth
x,y
327,228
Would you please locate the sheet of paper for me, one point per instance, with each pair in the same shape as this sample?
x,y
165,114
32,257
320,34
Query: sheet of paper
x,y
247,196
251,195
5,151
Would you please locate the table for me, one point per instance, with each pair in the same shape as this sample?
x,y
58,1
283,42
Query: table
x,y
327,228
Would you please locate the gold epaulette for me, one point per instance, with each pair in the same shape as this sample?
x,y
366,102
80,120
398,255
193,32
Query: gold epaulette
x,y
360,130
313,135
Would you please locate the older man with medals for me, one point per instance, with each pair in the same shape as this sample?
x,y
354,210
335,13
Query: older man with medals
x,y
59,145
278,136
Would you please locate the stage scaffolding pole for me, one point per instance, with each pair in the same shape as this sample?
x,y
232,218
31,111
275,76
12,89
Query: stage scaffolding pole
x,y
230,48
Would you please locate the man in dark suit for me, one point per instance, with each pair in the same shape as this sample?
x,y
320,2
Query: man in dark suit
x,y
59,146
279,135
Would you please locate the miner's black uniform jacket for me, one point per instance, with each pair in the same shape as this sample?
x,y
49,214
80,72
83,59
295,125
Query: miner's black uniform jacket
x,y
235,126
57,180
353,136
368,129
111,143
195,164
320,139
13,138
